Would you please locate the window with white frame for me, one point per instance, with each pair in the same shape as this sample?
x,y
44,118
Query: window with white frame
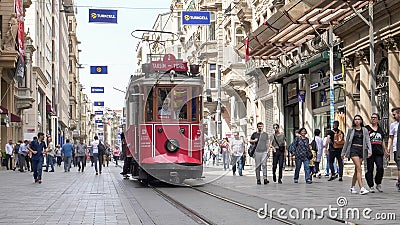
x,y
212,28
213,70
239,36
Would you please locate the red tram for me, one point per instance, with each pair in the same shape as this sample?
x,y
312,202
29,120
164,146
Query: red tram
x,y
163,122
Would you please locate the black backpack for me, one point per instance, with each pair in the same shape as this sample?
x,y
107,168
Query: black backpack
x,y
314,145
102,148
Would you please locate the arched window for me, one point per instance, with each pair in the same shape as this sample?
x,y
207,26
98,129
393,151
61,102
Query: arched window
x,y
239,35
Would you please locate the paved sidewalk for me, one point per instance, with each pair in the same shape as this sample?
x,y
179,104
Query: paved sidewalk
x,y
65,198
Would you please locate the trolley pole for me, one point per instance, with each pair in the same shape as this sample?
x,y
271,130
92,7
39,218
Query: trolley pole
x,y
331,84
372,83
219,119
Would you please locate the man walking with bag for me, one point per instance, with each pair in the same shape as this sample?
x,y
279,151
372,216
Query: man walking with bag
x,y
260,141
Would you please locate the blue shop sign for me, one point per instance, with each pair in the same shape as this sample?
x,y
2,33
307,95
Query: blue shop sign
x,y
196,18
103,16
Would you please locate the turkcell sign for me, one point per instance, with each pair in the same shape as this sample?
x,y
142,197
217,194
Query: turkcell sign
x,y
98,112
98,121
196,18
102,16
98,103
97,89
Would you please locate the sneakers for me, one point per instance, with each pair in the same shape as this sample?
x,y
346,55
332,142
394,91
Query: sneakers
x,y
353,190
296,181
363,191
379,187
332,178
372,189
266,181
340,179
258,182
309,182
279,181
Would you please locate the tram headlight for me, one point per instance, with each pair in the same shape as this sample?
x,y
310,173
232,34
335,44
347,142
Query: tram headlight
x,y
172,145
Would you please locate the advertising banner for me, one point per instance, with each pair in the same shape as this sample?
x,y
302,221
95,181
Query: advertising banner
x,y
103,16
196,18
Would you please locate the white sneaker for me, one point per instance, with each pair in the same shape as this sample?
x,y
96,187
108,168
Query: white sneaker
x,y
363,191
372,189
379,188
353,190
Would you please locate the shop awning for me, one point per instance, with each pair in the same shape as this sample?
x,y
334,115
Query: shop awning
x,y
3,110
15,118
297,23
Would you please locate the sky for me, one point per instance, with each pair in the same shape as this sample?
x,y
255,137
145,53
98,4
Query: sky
x,y
112,45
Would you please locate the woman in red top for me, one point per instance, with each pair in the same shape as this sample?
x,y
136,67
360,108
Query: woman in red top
x,y
225,152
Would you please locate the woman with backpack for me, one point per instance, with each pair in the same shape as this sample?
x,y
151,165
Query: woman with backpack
x,y
357,147
301,150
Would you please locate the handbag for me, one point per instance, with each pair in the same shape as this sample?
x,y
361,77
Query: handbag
x,y
251,150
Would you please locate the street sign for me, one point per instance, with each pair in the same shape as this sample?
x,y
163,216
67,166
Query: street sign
x,y
196,18
98,112
97,89
337,77
103,16
98,121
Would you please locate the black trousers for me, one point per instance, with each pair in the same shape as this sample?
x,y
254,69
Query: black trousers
x,y
127,165
369,175
278,158
316,167
336,154
9,160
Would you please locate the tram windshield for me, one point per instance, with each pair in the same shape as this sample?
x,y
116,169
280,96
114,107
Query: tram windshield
x,y
174,103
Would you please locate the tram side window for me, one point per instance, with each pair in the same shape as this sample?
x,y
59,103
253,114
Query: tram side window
x,y
180,103
164,107
195,104
149,106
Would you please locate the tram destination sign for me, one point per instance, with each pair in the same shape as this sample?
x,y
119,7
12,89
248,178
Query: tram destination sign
x,y
169,62
166,66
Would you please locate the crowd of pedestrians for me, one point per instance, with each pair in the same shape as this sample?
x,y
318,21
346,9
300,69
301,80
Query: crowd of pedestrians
x,y
362,144
33,155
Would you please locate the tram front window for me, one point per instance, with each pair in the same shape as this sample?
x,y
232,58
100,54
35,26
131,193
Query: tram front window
x,y
164,105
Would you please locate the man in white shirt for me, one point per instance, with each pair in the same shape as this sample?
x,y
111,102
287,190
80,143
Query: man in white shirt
x,y
237,146
392,142
9,152
97,159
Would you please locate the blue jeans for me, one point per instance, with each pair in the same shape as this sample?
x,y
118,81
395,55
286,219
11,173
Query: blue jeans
x,y
225,159
237,160
37,165
49,161
306,164
67,163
